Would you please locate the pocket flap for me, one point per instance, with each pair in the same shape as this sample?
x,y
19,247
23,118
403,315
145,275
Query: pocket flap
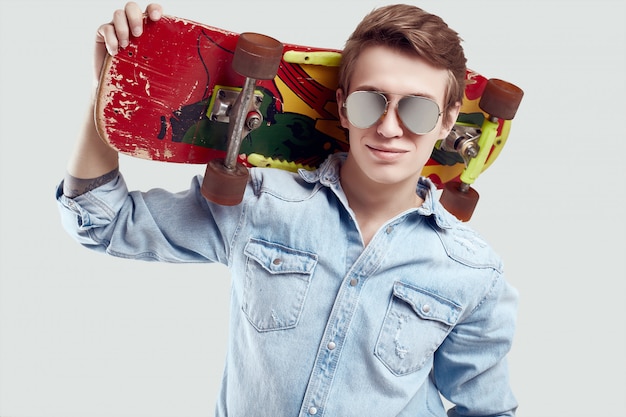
x,y
426,304
279,259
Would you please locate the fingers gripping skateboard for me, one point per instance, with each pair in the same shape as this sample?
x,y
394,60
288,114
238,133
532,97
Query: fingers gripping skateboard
x,y
257,57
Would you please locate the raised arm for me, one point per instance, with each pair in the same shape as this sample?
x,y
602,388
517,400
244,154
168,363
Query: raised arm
x,y
93,162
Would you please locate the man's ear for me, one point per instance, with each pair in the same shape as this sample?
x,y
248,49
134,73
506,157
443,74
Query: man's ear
x,y
339,95
453,114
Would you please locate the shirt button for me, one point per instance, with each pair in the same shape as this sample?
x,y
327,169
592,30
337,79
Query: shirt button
x,y
426,308
353,282
331,345
389,229
277,261
313,411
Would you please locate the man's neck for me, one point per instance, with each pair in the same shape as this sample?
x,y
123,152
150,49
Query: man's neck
x,y
373,203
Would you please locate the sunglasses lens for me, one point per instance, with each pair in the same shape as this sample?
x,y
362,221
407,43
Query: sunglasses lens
x,y
419,114
364,108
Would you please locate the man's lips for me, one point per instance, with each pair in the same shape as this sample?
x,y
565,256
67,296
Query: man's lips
x,y
386,154
385,149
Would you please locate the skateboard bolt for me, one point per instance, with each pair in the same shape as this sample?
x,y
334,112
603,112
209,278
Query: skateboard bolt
x,y
254,120
471,150
463,187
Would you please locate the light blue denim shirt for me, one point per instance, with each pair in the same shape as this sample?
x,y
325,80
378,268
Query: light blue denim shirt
x,y
320,324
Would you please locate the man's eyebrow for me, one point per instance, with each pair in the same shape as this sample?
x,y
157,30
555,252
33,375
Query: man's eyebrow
x,y
415,93
366,88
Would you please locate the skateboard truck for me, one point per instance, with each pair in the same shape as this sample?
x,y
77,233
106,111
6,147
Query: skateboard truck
x,y
257,57
500,100
463,139
226,101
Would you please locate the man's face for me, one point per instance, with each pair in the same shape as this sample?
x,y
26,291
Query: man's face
x,y
388,152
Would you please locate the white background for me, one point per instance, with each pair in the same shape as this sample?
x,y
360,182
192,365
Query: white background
x,y
83,334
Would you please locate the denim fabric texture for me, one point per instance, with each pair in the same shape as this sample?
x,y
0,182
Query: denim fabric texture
x,y
320,324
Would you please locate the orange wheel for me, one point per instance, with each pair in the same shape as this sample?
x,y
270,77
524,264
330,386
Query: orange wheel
x,y
500,99
257,56
461,203
223,186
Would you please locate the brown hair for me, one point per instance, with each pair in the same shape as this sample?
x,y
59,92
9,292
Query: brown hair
x,y
411,30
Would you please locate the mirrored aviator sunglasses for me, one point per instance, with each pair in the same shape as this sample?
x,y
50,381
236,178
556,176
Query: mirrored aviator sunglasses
x,y
365,108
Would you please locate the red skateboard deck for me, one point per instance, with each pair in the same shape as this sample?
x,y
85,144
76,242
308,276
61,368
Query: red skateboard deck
x,y
165,96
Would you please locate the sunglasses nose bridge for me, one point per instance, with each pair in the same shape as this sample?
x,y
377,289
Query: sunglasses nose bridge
x,y
390,120
386,105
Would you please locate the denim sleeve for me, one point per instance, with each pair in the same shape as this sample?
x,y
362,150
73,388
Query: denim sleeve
x,y
154,226
470,367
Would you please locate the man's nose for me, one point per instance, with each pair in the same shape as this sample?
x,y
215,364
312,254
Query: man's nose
x,y
390,125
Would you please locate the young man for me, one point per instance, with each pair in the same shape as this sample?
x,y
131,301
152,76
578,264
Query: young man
x,y
354,292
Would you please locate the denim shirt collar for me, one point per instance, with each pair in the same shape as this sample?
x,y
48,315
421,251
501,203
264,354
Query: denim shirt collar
x,y
328,175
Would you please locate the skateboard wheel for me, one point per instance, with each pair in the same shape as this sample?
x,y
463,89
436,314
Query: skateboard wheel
x,y
500,99
461,203
223,186
257,56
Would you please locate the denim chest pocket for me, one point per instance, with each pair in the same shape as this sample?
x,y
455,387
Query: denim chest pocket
x,y
276,284
415,324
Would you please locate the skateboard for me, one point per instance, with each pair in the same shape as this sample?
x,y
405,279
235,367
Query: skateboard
x,y
186,92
